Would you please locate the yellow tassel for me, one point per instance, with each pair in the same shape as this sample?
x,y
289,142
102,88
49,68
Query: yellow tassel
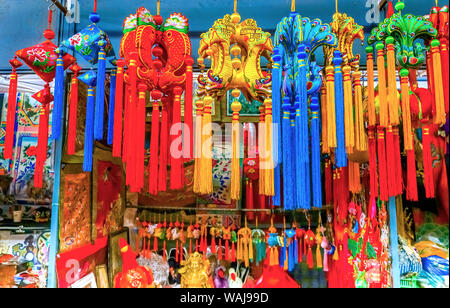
x,y
325,148
354,177
392,83
382,93
318,256
336,255
331,111
206,184
198,146
440,117
269,189
292,5
261,145
235,160
370,88
360,133
406,113
348,110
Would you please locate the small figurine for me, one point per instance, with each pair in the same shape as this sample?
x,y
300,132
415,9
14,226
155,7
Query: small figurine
x,y
194,273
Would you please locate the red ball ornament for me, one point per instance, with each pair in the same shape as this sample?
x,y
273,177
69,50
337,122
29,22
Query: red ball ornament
x,y
158,20
157,52
49,34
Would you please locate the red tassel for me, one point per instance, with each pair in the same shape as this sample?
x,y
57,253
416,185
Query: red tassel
x,y
220,249
155,244
73,109
213,244
11,112
118,109
41,155
411,193
126,120
445,70
139,143
233,252
427,162
390,148
181,252
162,172
300,251
154,144
188,116
249,199
328,182
373,173
44,97
196,245
398,162
190,246
176,253
309,258
384,194
227,256
164,251
176,159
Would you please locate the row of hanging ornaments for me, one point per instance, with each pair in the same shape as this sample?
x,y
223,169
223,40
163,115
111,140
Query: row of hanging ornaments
x,y
231,244
298,95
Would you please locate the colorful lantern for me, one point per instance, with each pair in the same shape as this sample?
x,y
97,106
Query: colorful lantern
x,y
235,49
157,54
47,62
296,40
397,38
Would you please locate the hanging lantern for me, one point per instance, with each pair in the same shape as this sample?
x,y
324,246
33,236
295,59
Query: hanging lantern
x,y
157,54
235,49
296,40
47,62
397,38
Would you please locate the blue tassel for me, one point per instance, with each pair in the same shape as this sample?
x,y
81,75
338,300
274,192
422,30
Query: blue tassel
x,y
299,147
90,78
341,155
283,254
287,166
276,110
89,131
100,98
296,251
58,102
112,100
293,158
315,152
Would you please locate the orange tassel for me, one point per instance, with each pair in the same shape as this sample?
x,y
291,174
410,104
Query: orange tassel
x,y
382,92
348,110
331,109
325,147
392,83
406,113
440,117
318,257
360,134
370,87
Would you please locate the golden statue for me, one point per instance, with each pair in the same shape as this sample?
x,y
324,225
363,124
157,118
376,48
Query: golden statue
x,y
194,273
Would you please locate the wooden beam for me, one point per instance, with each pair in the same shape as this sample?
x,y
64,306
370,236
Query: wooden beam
x,y
382,4
61,7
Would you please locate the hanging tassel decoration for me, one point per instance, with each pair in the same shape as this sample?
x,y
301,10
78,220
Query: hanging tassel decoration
x,y
323,102
427,162
331,108
315,153
73,110
118,109
360,134
398,178
319,263
411,191
154,144
382,91
328,173
392,83
373,170
198,145
341,155
206,151
381,145
440,117
235,161
406,113
188,116
100,92
276,106
11,111
288,192
58,103
348,110
45,97
390,162
163,147
176,160
268,163
370,87
112,103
